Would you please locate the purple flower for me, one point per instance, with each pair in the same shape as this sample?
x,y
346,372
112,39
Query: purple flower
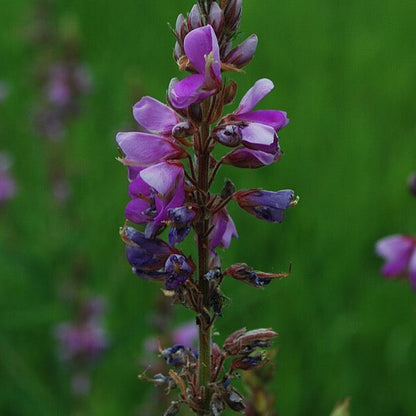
x,y
180,219
252,159
257,128
223,230
155,190
266,205
399,251
7,182
185,334
146,256
201,48
85,341
177,271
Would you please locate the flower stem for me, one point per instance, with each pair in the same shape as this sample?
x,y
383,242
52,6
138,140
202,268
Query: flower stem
x,y
204,359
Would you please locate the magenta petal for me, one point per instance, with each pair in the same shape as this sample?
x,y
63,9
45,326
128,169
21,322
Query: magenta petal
x,y
135,209
189,91
396,249
412,268
274,118
145,148
138,187
258,136
198,44
247,158
163,176
155,116
258,91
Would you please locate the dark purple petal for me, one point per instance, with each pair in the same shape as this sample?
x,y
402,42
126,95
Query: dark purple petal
x,y
144,149
252,159
177,271
155,116
274,118
255,94
396,250
180,219
243,53
265,205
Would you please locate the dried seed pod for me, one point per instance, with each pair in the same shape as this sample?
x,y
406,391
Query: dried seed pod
x,y
242,342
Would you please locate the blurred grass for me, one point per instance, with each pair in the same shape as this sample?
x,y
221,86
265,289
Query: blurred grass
x,y
345,72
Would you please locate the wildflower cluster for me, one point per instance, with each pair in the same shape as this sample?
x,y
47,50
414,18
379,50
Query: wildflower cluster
x,y
399,250
171,165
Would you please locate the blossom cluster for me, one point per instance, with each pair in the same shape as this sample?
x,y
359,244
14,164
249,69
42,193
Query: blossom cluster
x,y
172,161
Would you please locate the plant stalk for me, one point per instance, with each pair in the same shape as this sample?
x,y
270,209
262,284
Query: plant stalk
x,y
204,359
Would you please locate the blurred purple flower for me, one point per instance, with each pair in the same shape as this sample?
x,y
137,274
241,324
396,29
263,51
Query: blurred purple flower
x,y
201,48
185,334
8,186
399,251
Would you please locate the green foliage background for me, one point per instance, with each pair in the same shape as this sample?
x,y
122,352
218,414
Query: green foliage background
x,y
346,74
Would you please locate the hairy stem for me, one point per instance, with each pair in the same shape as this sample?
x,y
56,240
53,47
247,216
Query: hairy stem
x,y
204,373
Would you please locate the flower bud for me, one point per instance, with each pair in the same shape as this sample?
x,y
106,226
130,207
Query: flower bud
x,y
243,53
176,356
181,219
242,342
216,18
173,409
228,189
230,92
234,399
229,135
266,205
182,130
194,18
233,15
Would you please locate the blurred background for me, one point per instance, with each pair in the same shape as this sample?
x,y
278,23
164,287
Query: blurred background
x,y
346,74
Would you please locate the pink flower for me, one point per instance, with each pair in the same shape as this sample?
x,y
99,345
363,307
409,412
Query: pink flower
x,y
399,251
201,48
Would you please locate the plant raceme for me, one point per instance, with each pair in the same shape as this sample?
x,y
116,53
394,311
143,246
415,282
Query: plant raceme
x,y
171,165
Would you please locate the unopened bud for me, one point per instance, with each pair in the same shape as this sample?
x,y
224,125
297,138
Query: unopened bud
x,y
230,135
230,92
234,399
228,189
233,15
194,18
216,18
243,53
182,130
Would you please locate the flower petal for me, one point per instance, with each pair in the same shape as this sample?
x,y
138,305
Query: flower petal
x,y
274,118
135,211
248,158
163,177
189,91
396,249
198,44
258,91
258,136
145,148
155,116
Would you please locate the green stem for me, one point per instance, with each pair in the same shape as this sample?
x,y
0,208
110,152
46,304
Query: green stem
x,y
204,359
